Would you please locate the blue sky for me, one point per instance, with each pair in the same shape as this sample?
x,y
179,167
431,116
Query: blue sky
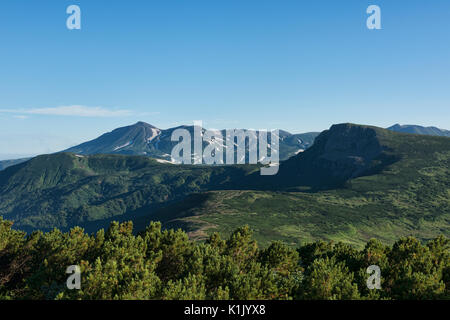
x,y
295,65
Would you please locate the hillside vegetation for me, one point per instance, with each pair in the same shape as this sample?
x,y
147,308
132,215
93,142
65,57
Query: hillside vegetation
x,y
159,264
356,182
65,190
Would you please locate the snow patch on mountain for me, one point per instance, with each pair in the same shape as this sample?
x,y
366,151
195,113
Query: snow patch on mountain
x,y
155,133
123,146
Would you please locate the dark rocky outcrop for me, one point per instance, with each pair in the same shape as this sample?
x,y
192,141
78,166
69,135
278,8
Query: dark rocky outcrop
x,y
343,152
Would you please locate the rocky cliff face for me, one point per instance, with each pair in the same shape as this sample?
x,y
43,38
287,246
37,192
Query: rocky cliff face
x,y
347,150
343,152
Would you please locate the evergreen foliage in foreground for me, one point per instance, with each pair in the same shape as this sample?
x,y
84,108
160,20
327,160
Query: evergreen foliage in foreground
x,y
165,264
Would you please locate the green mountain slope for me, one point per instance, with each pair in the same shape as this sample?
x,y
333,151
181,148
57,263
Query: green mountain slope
x,y
354,183
390,185
63,190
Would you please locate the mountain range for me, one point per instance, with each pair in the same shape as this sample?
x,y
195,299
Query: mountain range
x,y
354,183
414,129
144,139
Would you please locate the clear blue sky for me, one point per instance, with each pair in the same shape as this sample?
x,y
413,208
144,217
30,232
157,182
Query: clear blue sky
x,y
296,65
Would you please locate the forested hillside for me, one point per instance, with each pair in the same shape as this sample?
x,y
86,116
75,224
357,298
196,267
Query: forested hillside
x,y
65,190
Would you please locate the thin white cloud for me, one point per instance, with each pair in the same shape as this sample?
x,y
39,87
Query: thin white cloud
x,y
72,111
20,116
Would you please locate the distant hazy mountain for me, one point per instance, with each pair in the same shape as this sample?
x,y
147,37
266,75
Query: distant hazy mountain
x,y
430,131
7,163
145,139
